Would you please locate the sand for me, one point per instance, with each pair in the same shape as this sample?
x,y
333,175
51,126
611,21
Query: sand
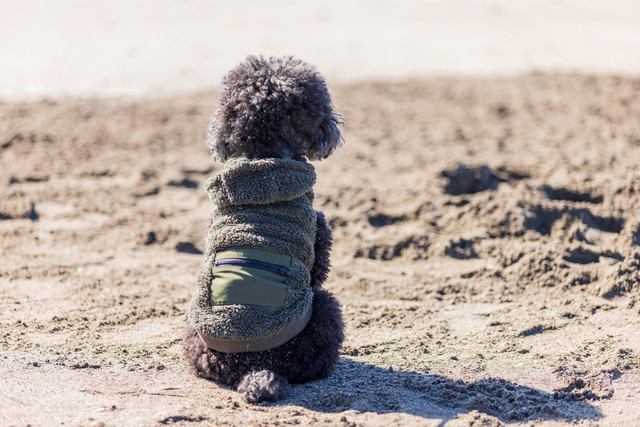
x,y
486,256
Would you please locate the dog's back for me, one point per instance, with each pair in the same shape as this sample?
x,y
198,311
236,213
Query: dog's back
x,y
254,291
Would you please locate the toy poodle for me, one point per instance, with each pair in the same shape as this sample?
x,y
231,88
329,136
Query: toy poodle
x,y
260,319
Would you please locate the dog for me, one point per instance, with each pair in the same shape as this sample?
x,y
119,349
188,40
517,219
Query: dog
x,y
260,319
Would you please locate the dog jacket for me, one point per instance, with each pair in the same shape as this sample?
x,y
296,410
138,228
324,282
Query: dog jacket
x,y
253,290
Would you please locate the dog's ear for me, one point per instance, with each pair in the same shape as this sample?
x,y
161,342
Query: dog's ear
x,y
327,136
218,146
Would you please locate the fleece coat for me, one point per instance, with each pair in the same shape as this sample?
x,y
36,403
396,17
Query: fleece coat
x,y
264,204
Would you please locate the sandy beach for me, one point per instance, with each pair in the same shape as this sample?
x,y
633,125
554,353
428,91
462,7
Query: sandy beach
x,y
486,257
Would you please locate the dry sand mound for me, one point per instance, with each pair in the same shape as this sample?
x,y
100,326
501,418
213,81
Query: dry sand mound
x,y
486,256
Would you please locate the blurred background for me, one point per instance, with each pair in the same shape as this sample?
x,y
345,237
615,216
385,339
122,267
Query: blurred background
x,y
137,47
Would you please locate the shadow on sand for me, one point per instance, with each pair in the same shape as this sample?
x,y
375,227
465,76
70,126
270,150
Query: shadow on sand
x,y
368,388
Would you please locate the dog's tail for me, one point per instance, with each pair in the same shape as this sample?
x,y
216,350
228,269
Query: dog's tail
x,y
263,386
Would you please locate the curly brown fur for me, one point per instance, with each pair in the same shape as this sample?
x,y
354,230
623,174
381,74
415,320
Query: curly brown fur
x,y
322,248
310,355
274,107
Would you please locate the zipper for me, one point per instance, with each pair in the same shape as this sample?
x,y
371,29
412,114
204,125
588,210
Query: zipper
x,y
253,263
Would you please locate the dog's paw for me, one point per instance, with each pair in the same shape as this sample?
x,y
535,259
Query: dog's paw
x,y
262,386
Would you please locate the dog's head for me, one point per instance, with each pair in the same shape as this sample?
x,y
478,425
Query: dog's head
x,y
274,107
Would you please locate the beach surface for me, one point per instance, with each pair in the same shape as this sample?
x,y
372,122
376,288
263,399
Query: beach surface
x,y
486,257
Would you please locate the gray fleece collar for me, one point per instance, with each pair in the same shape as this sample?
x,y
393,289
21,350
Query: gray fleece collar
x,y
259,182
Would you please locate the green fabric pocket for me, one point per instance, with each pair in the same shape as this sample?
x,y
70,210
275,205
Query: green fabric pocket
x,y
249,276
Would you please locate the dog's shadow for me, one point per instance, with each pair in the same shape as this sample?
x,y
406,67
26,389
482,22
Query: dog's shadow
x,y
367,388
